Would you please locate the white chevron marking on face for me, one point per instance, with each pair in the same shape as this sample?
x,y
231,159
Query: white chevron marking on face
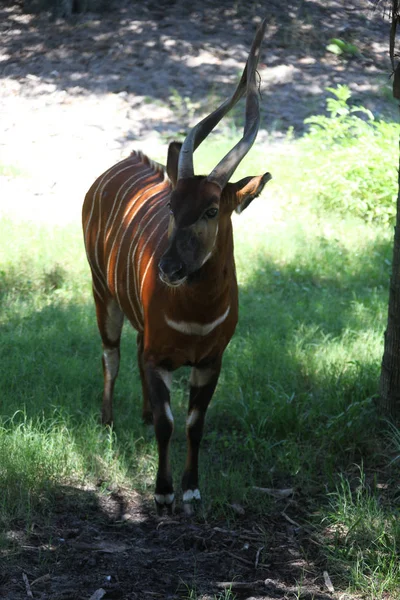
x,y
190,328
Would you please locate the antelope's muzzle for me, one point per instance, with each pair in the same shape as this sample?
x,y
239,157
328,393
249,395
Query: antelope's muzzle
x,y
172,271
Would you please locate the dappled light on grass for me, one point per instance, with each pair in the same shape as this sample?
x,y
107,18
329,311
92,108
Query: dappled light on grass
x,y
295,403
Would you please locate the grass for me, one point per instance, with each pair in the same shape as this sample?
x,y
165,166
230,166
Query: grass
x,y
295,403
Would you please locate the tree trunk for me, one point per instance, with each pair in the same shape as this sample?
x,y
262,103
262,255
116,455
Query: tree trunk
x,y
389,392
389,388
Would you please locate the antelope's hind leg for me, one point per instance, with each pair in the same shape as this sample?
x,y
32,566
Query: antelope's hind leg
x,y
147,413
159,381
110,320
203,382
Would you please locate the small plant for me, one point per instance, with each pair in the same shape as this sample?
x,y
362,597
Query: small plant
x,y
352,160
182,106
342,48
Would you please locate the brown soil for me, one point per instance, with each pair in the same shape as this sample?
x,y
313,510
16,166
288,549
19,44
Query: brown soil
x,y
115,543
75,97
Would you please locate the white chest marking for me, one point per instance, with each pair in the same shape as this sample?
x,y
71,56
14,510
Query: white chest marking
x,y
189,328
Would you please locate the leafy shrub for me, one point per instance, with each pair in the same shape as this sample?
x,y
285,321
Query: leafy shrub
x,y
351,160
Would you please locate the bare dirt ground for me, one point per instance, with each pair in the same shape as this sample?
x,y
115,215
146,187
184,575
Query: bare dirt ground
x,y
77,96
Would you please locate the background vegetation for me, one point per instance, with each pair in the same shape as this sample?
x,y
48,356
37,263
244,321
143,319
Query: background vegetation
x,y
295,404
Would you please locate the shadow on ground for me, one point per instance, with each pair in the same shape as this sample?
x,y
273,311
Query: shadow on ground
x,y
107,537
111,541
145,51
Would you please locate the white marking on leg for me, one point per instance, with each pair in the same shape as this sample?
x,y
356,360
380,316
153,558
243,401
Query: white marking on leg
x,y
111,362
190,328
164,498
114,321
192,418
191,495
166,376
200,377
168,413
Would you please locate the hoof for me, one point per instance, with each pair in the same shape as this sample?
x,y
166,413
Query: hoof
x,y
191,502
164,501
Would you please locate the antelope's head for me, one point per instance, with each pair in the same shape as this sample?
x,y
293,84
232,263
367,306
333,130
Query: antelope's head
x,y
200,206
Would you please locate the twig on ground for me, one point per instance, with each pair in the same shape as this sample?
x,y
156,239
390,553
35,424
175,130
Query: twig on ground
x,y
285,516
226,531
165,521
98,595
328,582
258,556
41,579
239,586
241,559
27,586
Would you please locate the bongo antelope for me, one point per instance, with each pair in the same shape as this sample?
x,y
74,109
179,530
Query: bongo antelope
x,y
160,247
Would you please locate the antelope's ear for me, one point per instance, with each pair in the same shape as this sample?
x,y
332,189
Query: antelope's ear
x,y
247,189
172,161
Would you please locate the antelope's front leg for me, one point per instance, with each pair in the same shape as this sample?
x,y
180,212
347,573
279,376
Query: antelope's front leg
x,y
203,382
159,382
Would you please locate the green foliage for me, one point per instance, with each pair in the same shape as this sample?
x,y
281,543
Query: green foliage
x,y
350,160
342,48
363,537
295,402
10,171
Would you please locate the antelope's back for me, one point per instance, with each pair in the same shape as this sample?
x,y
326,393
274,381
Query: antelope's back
x,y
125,220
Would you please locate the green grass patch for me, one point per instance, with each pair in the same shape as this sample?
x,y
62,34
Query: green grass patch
x,y
346,164
362,537
11,171
295,403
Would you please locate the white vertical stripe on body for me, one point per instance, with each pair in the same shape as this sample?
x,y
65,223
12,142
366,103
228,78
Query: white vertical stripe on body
x,y
131,185
97,196
130,209
138,284
151,260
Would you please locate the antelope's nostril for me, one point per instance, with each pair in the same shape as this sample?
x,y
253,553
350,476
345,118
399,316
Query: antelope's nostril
x,y
171,268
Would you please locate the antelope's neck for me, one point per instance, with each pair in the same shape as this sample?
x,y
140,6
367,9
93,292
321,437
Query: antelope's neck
x,y
213,289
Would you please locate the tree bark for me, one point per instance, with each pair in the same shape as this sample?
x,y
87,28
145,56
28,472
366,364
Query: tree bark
x,y
389,389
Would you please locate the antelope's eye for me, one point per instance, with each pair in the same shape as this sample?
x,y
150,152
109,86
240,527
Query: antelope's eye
x,y
211,213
